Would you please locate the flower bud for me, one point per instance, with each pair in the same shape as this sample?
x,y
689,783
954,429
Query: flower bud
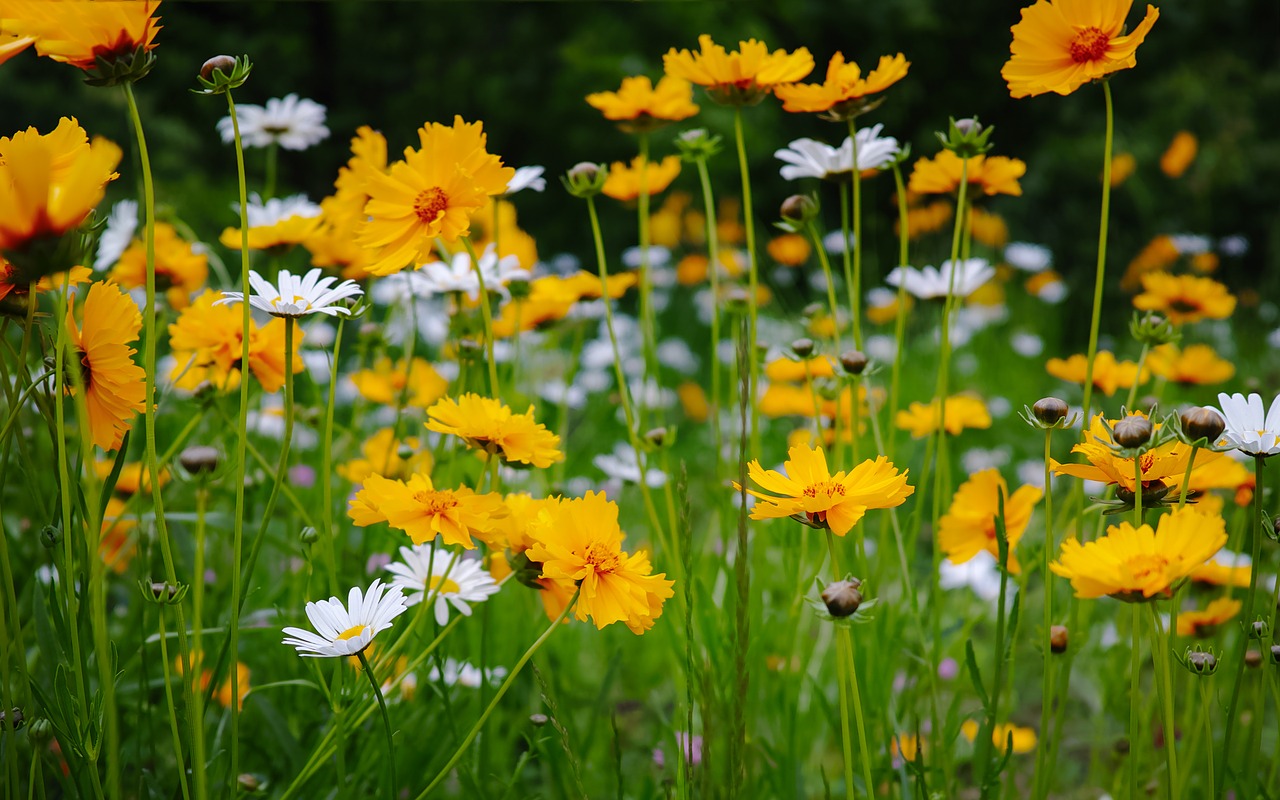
x,y
404,452
813,310
1275,654
519,288
163,591
248,782
309,535
1203,423
802,347
224,63
1258,630
1253,659
15,718
966,137
221,74
50,536
1058,639
799,208
853,362
842,598
199,460
539,719
656,437
40,731
585,179
1133,431
1049,410
1202,663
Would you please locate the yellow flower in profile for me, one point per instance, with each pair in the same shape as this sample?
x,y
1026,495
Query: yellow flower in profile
x,y
1123,165
623,182
1204,623
990,175
207,344
382,452
923,220
278,223
334,243
741,77
1195,364
114,386
386,380
845,91
1060,45
429,195
424,512
641,106
809,492
180,270
223,693
988,228
969,526
693,399
1108,374
1184,298
959,412
1136,564
551,297
78,32
486,424
1220,572
579,542
1024,739
1182,151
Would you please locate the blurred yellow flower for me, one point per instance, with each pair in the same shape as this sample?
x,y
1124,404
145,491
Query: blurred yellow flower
x,y
623,182
1160,253
989,174
1204,623
117,546
1184,298
694,401
1123,165
786,369
1108,374
789,249
740,77
384,454
845,91
1182,151
486,424
969,526
1024,739
134,476
959,412
1195,364
114,386
641,106
922,220
181,270
988,228
386,380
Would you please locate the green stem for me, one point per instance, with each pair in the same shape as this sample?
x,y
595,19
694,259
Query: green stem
x,y
1100,279
749,227
648,334
188,666
713,271
900,321
1206,708
195,707
386,724
846,639
1043,779
486,316
1135,701
1164,686
854,282
326,458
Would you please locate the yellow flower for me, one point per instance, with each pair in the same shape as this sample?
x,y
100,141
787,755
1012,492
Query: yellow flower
x,y
117,546
644,107
180,270
810,492
385,381
1060,45
429,195
784,369
486,424
623,182
988,228
1122,166
381,454
785,400
694,401
959,412
78,32
579,542
334,243
284,223
1024,739
1194,364
989,174
1220,574
1204,623
1181,152
1160,253
424,512
969,526
1108,374
1139,563
134,477
883,308
1048,281
789,249
1184,298
114,386
223,693
741,77
207,341
845,91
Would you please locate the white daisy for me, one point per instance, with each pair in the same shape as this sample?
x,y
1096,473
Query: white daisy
x,y
277,209
448,578
458,276
122,224
807,158
929,282
1028,257
296,296
292,122
1190,244
1248,427
347,630
527,178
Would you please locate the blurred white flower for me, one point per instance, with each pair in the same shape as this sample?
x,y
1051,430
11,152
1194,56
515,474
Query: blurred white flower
x,y
461,673
1233,246
980,573
458,275
1190,244
1027,344
265,214
122,224
977,459
292,122
677,355
659,256
806,158
1028,257
833,242
527,178
929,282
624,465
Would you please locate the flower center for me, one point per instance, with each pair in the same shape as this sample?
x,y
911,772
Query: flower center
x,y
1145,565
1184,305
1090,45
350,633
443,585
434,503
602,557
298,301
825,488
429,205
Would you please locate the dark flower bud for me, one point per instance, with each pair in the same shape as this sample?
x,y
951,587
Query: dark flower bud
x,y
248,782
799,208
1049,410
1202,663
1133,431
1258,630
519,288
966,137
1253,659
13,718
656,437
199,460
842,597
309,535
1203,423
50,535
1058,639
221,74
802,347
163,591
853,362
1275,654
539,719
224,63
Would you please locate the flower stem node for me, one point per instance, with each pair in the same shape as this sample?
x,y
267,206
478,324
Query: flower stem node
x,y
853,362
1133,432
1058,639
162,592
200,460
50,536
1198,661
221,74
250,783
14,718
967,137
1153,330
585,179
842,598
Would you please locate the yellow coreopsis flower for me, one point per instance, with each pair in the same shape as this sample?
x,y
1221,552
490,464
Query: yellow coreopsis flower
x,y
1024,739
1195,364
959,412
277,224
989,174
785,369
624,181
117,546
1108,374
207,345
180,270
486,424
741,77
1060,45
1182,151
845,91
1184,298
1159,254
969,526
430,195
1166,464
579,542
988,228
381,454
134,477
789,249
1204,623
386,381
1137,564
78,32
809,492
114,386
641,106
424,512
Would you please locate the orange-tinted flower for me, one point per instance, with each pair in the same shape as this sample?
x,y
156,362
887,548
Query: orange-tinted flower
x,y
1182,151
1160,253
117,546
78,32
1195,364
1122,166
741,77
959,412
1184,298
845,91
486,424
424,512
1108,374
789,249
642,107
385,382
206,342
180,269
969,526
114,386
625,181
989,174
1204,623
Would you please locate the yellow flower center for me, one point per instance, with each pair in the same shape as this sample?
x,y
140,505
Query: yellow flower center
x,y
434,503
1090,45
1145,565
350,633
443,585
297,300
827,488
429,205
602,557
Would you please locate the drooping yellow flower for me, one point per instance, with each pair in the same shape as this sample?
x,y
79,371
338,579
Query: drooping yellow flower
x,y
989,174
429,195
206,342
641,106
1195,364
1024,739
1184,298
1204,623
578,541
923,220
1182,151
809,491
1108,374
959,412
78,32
114,386
1139,563
624,181
381,453
969,526
424,512
180,270
1060,45
845,91
385,381
486,424
741,77
1215,572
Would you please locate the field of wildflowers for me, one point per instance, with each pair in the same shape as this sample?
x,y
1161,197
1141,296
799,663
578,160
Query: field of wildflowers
x,y
866,493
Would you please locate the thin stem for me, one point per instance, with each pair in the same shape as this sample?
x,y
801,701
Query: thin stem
x,y
843,656
1135,700
1100,278
386,724
900,322
749,227
326,457
273,158
846,639
195,708
173,709
854,282
1042,779
1164,686
713,271
1206,708
486,317
648,334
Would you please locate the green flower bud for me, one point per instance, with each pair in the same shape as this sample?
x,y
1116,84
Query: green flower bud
x,y
221,74
585,179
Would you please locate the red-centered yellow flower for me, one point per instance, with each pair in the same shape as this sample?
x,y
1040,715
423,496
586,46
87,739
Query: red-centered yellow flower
x,y
1195,364
78,32
811,493
386,381
989,174
579,542
845,91
1223,572
969,526
741,77
206,342
1108,374
12,283
424,512
430,195
134,477
626,181
641,106
1137,564
180,270
486,424
1184,298
1204,623
384,454
959,412
1060,45
1182,151
114,386
1024,739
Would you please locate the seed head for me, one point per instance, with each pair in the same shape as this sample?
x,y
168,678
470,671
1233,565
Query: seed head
x,y
842,597
853,361
224,63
